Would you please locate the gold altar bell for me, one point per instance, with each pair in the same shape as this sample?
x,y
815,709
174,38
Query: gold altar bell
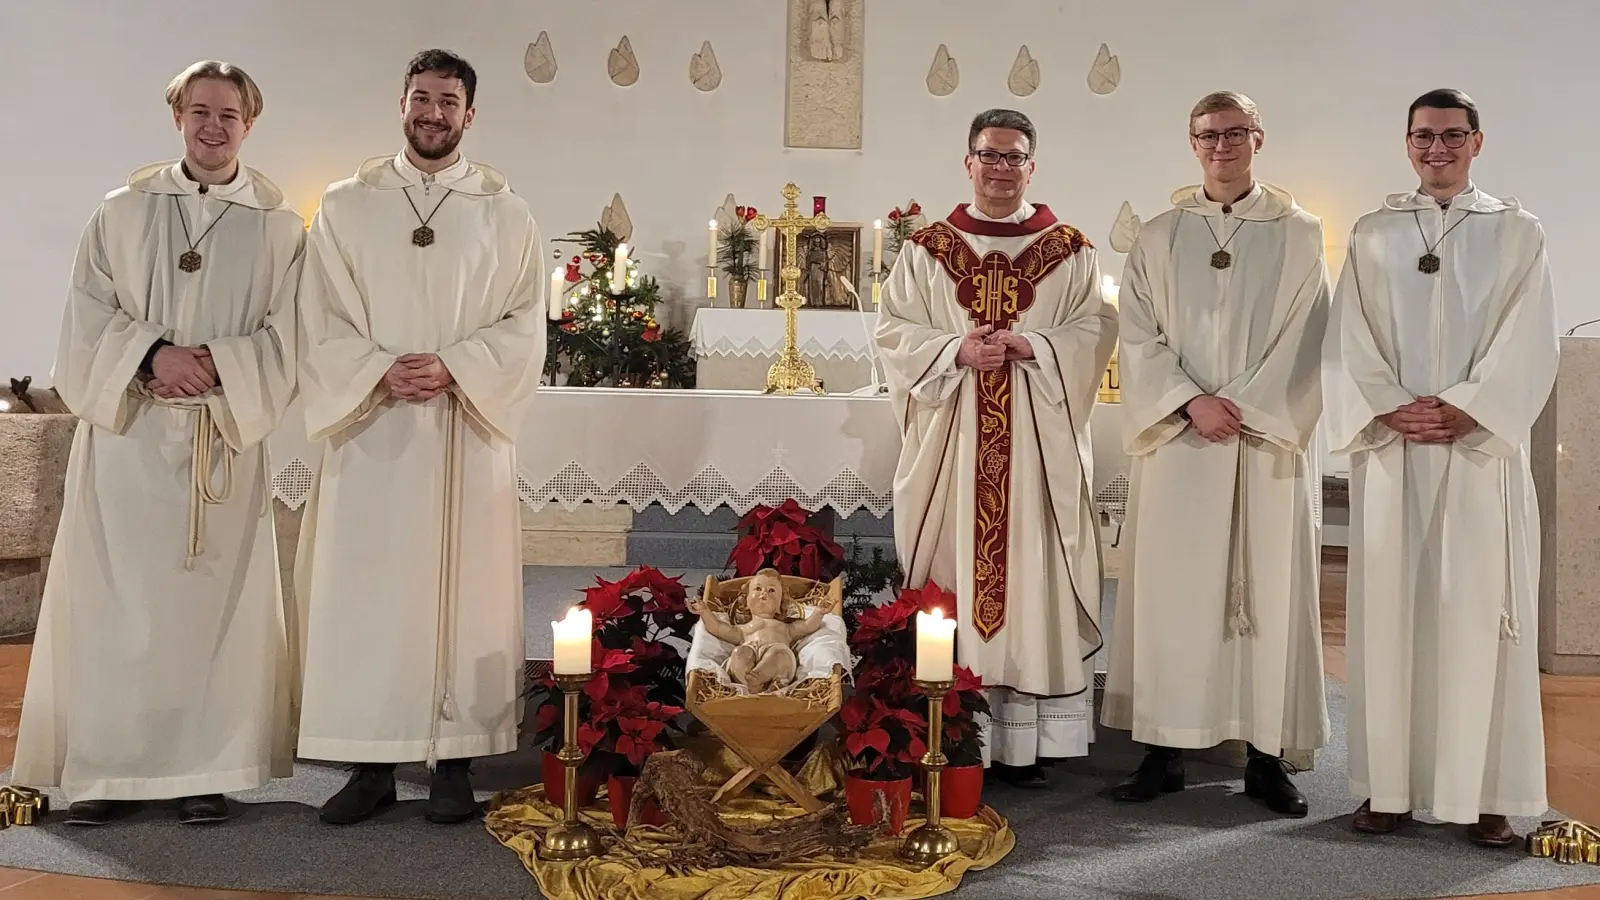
x,y
1567,841
22,806
791,373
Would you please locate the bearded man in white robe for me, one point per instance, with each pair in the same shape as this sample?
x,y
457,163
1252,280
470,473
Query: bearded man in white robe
x,y
161,666
1441,354
1218,633
995,336
425,340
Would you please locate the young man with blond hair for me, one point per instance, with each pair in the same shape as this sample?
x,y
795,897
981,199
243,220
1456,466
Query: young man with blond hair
x,y
160,669
1217,634
1442,352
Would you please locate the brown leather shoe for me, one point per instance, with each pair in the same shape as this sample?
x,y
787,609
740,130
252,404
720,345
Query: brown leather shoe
x,y
1369,822
1491,831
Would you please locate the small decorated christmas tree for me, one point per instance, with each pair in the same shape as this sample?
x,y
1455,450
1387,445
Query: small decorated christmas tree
x,y
608,334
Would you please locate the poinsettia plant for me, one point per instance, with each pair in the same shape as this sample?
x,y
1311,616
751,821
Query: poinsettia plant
x,y
629,709
882,740
782,538
884,643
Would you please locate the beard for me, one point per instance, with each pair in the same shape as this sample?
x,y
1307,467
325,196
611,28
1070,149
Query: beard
x,y
446,145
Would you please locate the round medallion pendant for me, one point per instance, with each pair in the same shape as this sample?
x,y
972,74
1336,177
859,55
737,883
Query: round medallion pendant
x,y
189,261
422,237
1221,259
1428,264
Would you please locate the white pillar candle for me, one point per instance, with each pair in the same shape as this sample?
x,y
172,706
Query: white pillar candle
x,y
619,269
573,638
877,246
558,282
936,644
711,244
761,239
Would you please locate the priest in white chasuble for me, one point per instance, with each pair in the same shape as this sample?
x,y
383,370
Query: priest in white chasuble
x,y
161,665
425,341
1441,353
1218,634
995,335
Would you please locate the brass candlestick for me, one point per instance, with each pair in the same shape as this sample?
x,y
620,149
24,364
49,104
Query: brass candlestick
x,y
932,842
791,373
572,839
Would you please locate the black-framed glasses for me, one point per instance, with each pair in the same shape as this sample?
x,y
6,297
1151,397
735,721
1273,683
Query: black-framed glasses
x,y
1015,159
1234,137
1453,138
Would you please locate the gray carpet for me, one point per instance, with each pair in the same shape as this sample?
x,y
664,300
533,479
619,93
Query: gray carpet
x,y
1207,843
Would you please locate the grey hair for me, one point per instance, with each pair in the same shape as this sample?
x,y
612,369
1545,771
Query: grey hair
x,y
1002,118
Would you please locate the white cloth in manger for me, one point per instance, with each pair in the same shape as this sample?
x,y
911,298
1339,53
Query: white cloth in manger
x,y
816,653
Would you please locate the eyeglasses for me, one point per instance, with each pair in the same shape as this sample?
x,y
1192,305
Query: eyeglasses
x,y
1015,159
1234,137
1455,138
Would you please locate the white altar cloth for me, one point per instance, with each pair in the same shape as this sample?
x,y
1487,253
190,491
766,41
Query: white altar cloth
x,y
704,448
823,333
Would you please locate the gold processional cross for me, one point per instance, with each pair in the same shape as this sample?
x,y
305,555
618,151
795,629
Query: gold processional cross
x,y
791,373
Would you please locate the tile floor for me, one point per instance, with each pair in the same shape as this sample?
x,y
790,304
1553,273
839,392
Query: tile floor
x,y
1572,730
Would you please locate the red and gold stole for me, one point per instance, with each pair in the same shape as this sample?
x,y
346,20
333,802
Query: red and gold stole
x,y
995,289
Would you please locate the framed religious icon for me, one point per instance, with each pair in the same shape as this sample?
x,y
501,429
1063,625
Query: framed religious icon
x,y
830,266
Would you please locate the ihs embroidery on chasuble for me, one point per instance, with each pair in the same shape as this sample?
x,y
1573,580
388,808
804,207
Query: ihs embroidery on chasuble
x,y
995,289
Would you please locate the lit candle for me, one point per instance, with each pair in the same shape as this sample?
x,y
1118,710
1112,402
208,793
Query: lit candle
x,y
573,638
762,264
936,643
877,246
619,269
558,281
711,245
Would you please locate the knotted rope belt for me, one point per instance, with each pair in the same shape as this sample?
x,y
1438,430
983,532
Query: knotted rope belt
x,y
444,654
205,444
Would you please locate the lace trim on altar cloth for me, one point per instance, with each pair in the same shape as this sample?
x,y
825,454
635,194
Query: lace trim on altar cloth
x,y
755,348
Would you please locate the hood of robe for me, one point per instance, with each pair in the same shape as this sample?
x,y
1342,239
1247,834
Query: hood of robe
x,y
248,188
1264,203
1471,199
464,176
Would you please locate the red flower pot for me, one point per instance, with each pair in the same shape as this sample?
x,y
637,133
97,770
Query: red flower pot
x,y
619,791
555,782
960,791
859,792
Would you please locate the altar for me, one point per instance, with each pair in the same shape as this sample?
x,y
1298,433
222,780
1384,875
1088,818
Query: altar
x,y
733,348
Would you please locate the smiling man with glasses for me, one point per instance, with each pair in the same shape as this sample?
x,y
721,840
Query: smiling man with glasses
x,y
1225,302
1441,354
995,336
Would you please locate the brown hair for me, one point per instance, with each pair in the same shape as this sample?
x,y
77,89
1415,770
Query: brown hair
x,y
249,94
1444,98
1220,101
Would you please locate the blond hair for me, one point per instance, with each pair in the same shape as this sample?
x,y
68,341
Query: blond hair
x,y
249,94
1221,101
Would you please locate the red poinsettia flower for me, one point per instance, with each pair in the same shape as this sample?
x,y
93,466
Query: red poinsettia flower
x,y
915,210
606,602
894,214
638,738
966,682
749,214
651,335
606,663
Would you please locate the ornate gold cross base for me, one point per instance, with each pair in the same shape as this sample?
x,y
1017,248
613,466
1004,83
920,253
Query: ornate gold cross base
x,y
1566,841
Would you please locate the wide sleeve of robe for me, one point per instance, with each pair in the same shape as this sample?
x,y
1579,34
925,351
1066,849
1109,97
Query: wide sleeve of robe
x,y
1280,397
257,371
919,357
1154,384
1071,354
1358,382
1508,386
101,343
497,368
341,368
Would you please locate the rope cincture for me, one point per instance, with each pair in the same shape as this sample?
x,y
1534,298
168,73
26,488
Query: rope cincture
x,y
444,654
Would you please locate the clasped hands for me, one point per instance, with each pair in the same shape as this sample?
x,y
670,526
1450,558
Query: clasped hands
x,y
986,349
418,377
182,372
1429,420
1215,418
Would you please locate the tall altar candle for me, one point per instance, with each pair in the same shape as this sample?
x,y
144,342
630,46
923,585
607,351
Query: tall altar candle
x,y
619,269
711,245
761,240
936,646
877,247
558,281
573,637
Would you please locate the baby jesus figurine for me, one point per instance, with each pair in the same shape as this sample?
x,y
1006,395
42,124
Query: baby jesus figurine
x,y
763,659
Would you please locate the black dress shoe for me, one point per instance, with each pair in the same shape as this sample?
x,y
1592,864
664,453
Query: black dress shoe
x,y
1161,772
203,810
97,812
1029,776
450,799
370,788
1266,778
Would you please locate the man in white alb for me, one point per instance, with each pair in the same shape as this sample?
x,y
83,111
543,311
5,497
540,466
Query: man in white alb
x,y
1218,634
160,669
995,335
1441,353
425,338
